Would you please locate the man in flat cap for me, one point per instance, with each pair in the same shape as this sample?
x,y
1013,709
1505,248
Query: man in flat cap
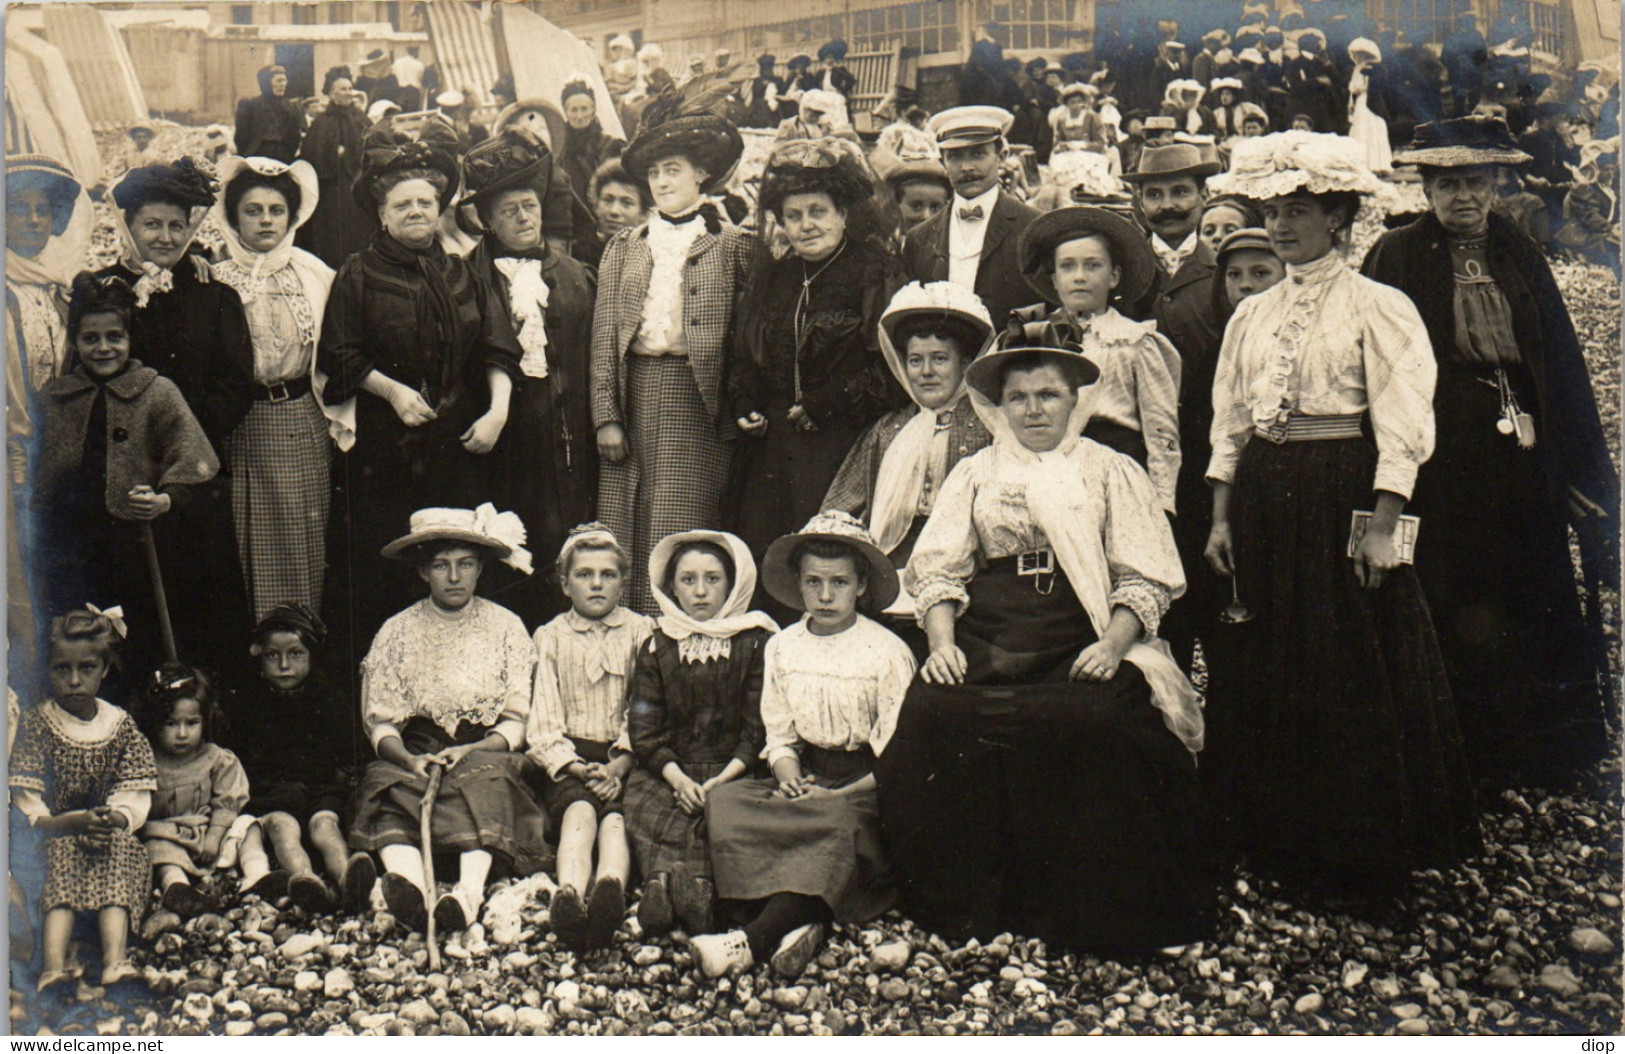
x,y
972,242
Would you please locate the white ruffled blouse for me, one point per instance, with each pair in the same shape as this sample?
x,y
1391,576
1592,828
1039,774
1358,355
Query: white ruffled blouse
x,y
281,321
1328,341
840,692
662,330
470,665
1138,389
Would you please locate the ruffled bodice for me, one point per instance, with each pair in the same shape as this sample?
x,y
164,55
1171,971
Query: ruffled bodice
x,y
839,692
281,320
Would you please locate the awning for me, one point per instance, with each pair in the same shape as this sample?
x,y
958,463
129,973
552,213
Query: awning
x,y
35,73
101,67
528,35
465,47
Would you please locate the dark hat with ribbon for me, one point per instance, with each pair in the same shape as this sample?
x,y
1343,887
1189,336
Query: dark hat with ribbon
x,y
386,151
182,183
835,49
509,160
1051,342
1462,142
1131,252
804,166
667,129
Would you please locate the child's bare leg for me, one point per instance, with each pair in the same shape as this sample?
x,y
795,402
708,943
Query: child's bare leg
x,y
614,855
575,845
114,924
166,875
328,839
57,930
251,857
283,830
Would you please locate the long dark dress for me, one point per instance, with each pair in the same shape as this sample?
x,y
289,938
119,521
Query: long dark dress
x,y
702,715
1493,553
197,336
836,374
547,459
386,313
339,226
268,126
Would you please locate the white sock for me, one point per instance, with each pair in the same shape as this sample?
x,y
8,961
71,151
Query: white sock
x,y
403,860
473,867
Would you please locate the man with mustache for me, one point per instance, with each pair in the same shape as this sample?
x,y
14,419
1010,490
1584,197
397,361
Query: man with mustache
x,y
972,242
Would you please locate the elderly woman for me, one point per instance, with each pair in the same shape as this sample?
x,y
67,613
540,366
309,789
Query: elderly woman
x,y
1086,259
1048,719
48,222
587,147
1335,755
808,376
447,684
426,350
281,453
269,124
892,475
1520,457
546,465
660,329
192,330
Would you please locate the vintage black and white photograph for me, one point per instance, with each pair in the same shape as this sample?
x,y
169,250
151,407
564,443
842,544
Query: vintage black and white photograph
x,y
845,518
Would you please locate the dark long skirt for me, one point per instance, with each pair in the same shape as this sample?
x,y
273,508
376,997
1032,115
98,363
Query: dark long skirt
x,y
664,837
820,847
1332,744
1023,801
484,802
1493,556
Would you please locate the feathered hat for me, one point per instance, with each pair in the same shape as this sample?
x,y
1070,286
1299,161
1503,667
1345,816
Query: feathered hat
x,y
673,125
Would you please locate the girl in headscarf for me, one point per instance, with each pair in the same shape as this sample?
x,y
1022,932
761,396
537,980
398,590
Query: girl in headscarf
x,y
281,452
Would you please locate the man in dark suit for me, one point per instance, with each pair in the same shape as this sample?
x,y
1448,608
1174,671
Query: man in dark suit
x,y
972,242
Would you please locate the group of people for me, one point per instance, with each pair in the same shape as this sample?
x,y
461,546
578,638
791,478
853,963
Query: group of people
x,y
889,534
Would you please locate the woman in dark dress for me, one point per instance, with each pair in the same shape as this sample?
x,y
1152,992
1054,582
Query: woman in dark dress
x,y
586,147
192,330
269,124
546,462
808,376
1520,458
419,341
340,225
1042,778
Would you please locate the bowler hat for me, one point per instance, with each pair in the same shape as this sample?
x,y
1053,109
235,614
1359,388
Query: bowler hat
x,y
1175,159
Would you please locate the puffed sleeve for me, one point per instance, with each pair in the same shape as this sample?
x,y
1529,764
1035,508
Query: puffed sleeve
x,y
228,790
341,354
1146,574
545,740
896,674
944,559
648,723
137,775
1232,418
777,720
1400,374
1156,386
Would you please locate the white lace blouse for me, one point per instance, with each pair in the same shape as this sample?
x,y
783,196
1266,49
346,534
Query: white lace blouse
x,y
281,321
1328,341
471,665
840,692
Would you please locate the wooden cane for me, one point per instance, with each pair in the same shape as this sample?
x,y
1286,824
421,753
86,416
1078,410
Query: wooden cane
x,y
156,573
425,811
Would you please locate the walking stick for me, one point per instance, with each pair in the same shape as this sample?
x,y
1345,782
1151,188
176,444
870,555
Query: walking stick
x,y
424,812
156,573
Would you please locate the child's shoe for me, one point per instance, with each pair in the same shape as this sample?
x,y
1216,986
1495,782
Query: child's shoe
x,y
721,953
405,901
695,901
310,893
457,909
360,875
273,885
605,910
797,949
654,909
186,900
568,917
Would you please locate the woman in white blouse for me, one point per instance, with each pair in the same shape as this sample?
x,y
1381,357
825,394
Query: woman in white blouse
x,y
1042,778
1334,755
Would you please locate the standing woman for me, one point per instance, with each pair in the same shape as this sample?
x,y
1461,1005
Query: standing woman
x,y
192,330
1334,754
48,223
418,339
586,147
1498,497
269,124
808,376
281,488
546,464
660,333
339,226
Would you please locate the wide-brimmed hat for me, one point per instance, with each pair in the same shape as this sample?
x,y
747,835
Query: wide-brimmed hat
x,y
1284,163
1157,122
818,100
1461,142
800,58
940,300
1221,83
509,160
834,49
386,150
834,166
522,113
501,533
1236,241
1131,252
1055,343
1076,88
377,110
969,126
61,187
708,141
783,582
1165,162
918,168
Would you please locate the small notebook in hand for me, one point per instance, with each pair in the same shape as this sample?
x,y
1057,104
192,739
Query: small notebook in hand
x,y
1404,535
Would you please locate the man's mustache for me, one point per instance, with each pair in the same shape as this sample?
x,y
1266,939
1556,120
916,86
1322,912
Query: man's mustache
x,y
1169,214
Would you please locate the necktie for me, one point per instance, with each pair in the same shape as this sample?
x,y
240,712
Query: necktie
x,y
974,212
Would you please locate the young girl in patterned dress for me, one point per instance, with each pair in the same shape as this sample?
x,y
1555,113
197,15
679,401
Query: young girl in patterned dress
x,y
694,716
202,787
83,776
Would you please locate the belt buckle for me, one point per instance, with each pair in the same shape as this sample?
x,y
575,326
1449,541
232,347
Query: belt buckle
x,y
1277,431
278,392
1039,565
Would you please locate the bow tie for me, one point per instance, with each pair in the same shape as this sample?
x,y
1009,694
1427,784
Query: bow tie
x,y
974,212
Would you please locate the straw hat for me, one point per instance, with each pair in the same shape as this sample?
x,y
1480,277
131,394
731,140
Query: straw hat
x,y
1273,166
783,582
944,300
501,533
1462,142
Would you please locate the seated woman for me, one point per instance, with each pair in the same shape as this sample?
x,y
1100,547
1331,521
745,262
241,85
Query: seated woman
x,y
1050,720
1084,258
892,475
447,682
804,847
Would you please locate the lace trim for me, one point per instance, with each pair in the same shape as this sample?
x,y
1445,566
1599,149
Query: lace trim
x,y
45,336
1273,389
267,317
699,649
1147,599
936,590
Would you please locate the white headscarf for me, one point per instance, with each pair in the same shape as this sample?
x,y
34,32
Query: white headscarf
x,y
155,279
699,641
1050,478
315,277
39,284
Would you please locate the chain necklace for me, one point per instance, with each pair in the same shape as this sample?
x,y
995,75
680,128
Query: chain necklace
x,y
803,305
